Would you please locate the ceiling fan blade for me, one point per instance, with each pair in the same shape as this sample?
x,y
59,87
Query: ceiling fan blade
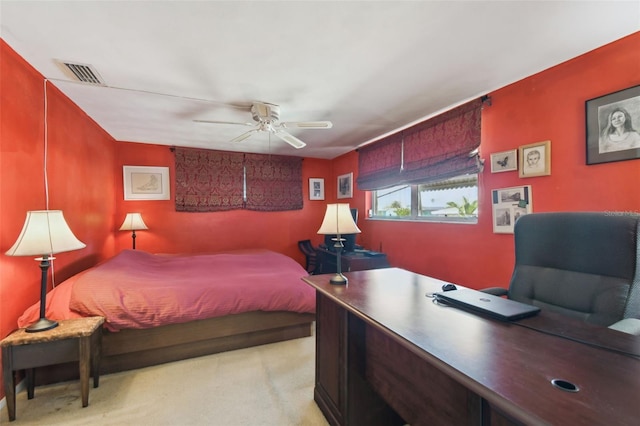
x,y
224,122
290,139
244,136
307,125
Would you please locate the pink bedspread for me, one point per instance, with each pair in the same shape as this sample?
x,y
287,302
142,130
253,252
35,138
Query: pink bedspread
x,y
135,289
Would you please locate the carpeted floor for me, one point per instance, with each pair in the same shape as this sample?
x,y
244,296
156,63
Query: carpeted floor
x,y
266,385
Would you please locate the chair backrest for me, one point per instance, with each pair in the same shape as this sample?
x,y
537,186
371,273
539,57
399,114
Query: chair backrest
x,y
306,247
309,251
581,264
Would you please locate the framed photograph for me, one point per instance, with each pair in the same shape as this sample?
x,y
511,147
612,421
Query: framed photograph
x,y
316,189
613,126
345,186
535,159
505,161
146,183
508,205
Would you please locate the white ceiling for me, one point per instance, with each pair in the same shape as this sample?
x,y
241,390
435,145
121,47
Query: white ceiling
x,y
370,67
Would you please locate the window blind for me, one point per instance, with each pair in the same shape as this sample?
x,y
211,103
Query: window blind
x,y
442,147
208,181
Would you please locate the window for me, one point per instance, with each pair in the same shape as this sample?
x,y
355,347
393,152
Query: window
x,y
451,200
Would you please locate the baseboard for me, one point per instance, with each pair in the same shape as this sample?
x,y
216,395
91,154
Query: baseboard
x,y
21,386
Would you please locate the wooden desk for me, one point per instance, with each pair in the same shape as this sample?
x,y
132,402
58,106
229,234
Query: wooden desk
x,y
359,260
72,340
387,355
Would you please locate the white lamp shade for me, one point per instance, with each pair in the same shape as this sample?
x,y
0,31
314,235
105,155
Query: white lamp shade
x,y
133,222
338,220
45,232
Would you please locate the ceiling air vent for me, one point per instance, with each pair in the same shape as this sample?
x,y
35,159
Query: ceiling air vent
x,y
81,72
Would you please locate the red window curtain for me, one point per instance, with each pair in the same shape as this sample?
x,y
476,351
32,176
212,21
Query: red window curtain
x,y
439,148
208,181
274,183
379,164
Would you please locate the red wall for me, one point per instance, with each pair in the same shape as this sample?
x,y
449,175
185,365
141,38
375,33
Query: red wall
x,y
179,232
546,106
80,172
85,180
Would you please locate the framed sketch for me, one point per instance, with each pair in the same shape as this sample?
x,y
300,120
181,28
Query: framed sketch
x,y
535,159
146,183
345,186
505,161
508,205
613,126
316,189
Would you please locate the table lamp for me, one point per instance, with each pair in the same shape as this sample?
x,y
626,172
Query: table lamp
x,y
133,222
338,220
45,233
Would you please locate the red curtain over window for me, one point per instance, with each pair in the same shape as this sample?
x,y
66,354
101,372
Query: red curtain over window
x,y
436,149
208,181
274,183
379,164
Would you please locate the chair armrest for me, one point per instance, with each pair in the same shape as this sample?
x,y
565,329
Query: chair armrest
x,y
496,291
627,325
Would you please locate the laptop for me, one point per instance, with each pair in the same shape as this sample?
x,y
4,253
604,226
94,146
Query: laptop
x,y
488,304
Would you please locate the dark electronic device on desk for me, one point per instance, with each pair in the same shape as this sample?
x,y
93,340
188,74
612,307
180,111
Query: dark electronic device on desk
x,y
488,304
349,239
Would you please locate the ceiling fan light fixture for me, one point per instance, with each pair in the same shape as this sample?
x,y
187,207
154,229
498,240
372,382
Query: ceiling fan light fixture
x,y
263,111
266,117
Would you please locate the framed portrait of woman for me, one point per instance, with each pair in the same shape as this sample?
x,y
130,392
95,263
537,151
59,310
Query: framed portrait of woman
x,y
613,126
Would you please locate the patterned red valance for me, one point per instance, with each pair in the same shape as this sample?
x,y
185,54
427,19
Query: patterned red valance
x,y
208,181
274,183
436,149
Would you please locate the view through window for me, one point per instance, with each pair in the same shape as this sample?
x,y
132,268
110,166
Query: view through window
x,y
454,199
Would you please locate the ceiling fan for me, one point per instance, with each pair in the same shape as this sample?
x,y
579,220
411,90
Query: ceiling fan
x,y
266,117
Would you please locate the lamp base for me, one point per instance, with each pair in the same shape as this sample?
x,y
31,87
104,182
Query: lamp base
x,y
339,279
42,324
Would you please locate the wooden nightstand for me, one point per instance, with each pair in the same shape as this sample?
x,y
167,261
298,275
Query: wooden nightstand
x,y
72,340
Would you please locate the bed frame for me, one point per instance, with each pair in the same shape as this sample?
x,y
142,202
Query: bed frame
x,y
132,348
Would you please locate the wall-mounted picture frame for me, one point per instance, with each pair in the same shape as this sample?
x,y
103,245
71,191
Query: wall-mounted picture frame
x,y
613,126
509,204
146,183
345,186
505,161
535,159
316,189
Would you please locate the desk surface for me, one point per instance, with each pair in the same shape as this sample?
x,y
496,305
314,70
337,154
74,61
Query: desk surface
x,y
508,364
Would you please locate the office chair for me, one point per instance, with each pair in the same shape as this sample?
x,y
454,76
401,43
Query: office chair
x,y
309,251
583,265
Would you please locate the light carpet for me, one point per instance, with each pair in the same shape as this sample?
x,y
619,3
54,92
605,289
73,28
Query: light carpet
x,y
265,385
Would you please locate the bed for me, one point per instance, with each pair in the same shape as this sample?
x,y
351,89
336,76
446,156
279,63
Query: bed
x,y
160,308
